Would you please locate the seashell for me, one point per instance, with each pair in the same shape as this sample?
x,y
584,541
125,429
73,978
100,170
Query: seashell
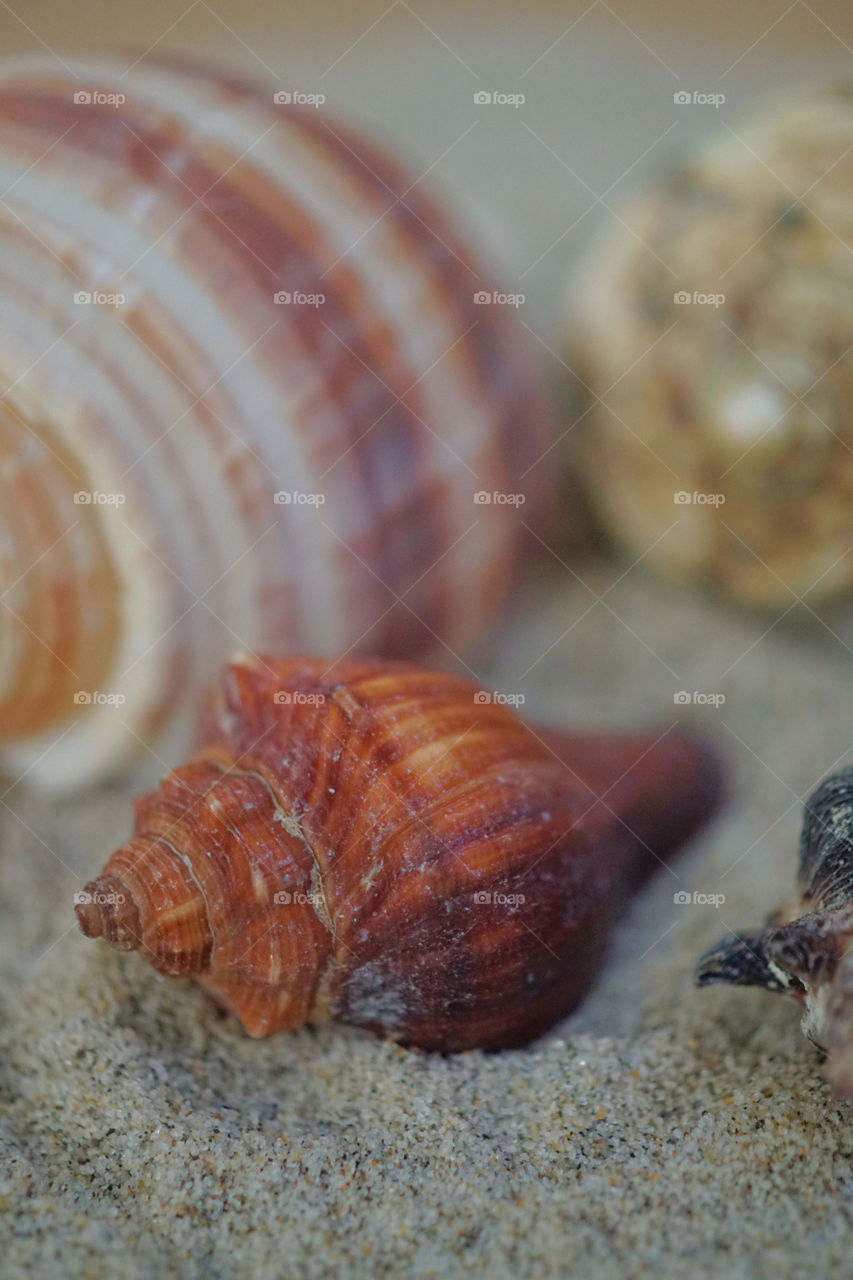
x,y
388,846
806,950
189,462
715,323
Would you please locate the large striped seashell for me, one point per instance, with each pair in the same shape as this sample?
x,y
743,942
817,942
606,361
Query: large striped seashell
x,y
161,392
384,845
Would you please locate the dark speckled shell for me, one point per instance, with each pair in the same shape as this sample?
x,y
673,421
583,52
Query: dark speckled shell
x,y
826,847
806,948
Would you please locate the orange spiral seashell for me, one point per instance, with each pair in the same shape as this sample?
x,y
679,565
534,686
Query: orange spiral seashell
x,y
381,844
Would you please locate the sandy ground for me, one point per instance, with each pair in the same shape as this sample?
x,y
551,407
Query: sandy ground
x,y
661,1130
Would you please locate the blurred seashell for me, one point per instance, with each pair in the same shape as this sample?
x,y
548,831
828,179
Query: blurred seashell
x,y
247,401
392,847
716,325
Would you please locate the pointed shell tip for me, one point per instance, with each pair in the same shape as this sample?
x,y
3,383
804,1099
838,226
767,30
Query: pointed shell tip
x,y
106,909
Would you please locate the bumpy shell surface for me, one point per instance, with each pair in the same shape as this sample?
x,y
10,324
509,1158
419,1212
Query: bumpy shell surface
x,y
375,843
726,415
806,950
159,398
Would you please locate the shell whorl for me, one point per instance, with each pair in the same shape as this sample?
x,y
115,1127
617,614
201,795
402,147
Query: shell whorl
x,y
197,401
373,843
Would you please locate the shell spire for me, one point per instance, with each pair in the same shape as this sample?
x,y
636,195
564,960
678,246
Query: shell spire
x,y
149,900
384,845
106,909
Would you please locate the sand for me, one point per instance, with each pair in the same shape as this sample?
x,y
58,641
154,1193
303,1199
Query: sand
x,y
659,1131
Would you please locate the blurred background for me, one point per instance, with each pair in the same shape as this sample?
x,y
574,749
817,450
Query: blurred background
x,y
598,117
